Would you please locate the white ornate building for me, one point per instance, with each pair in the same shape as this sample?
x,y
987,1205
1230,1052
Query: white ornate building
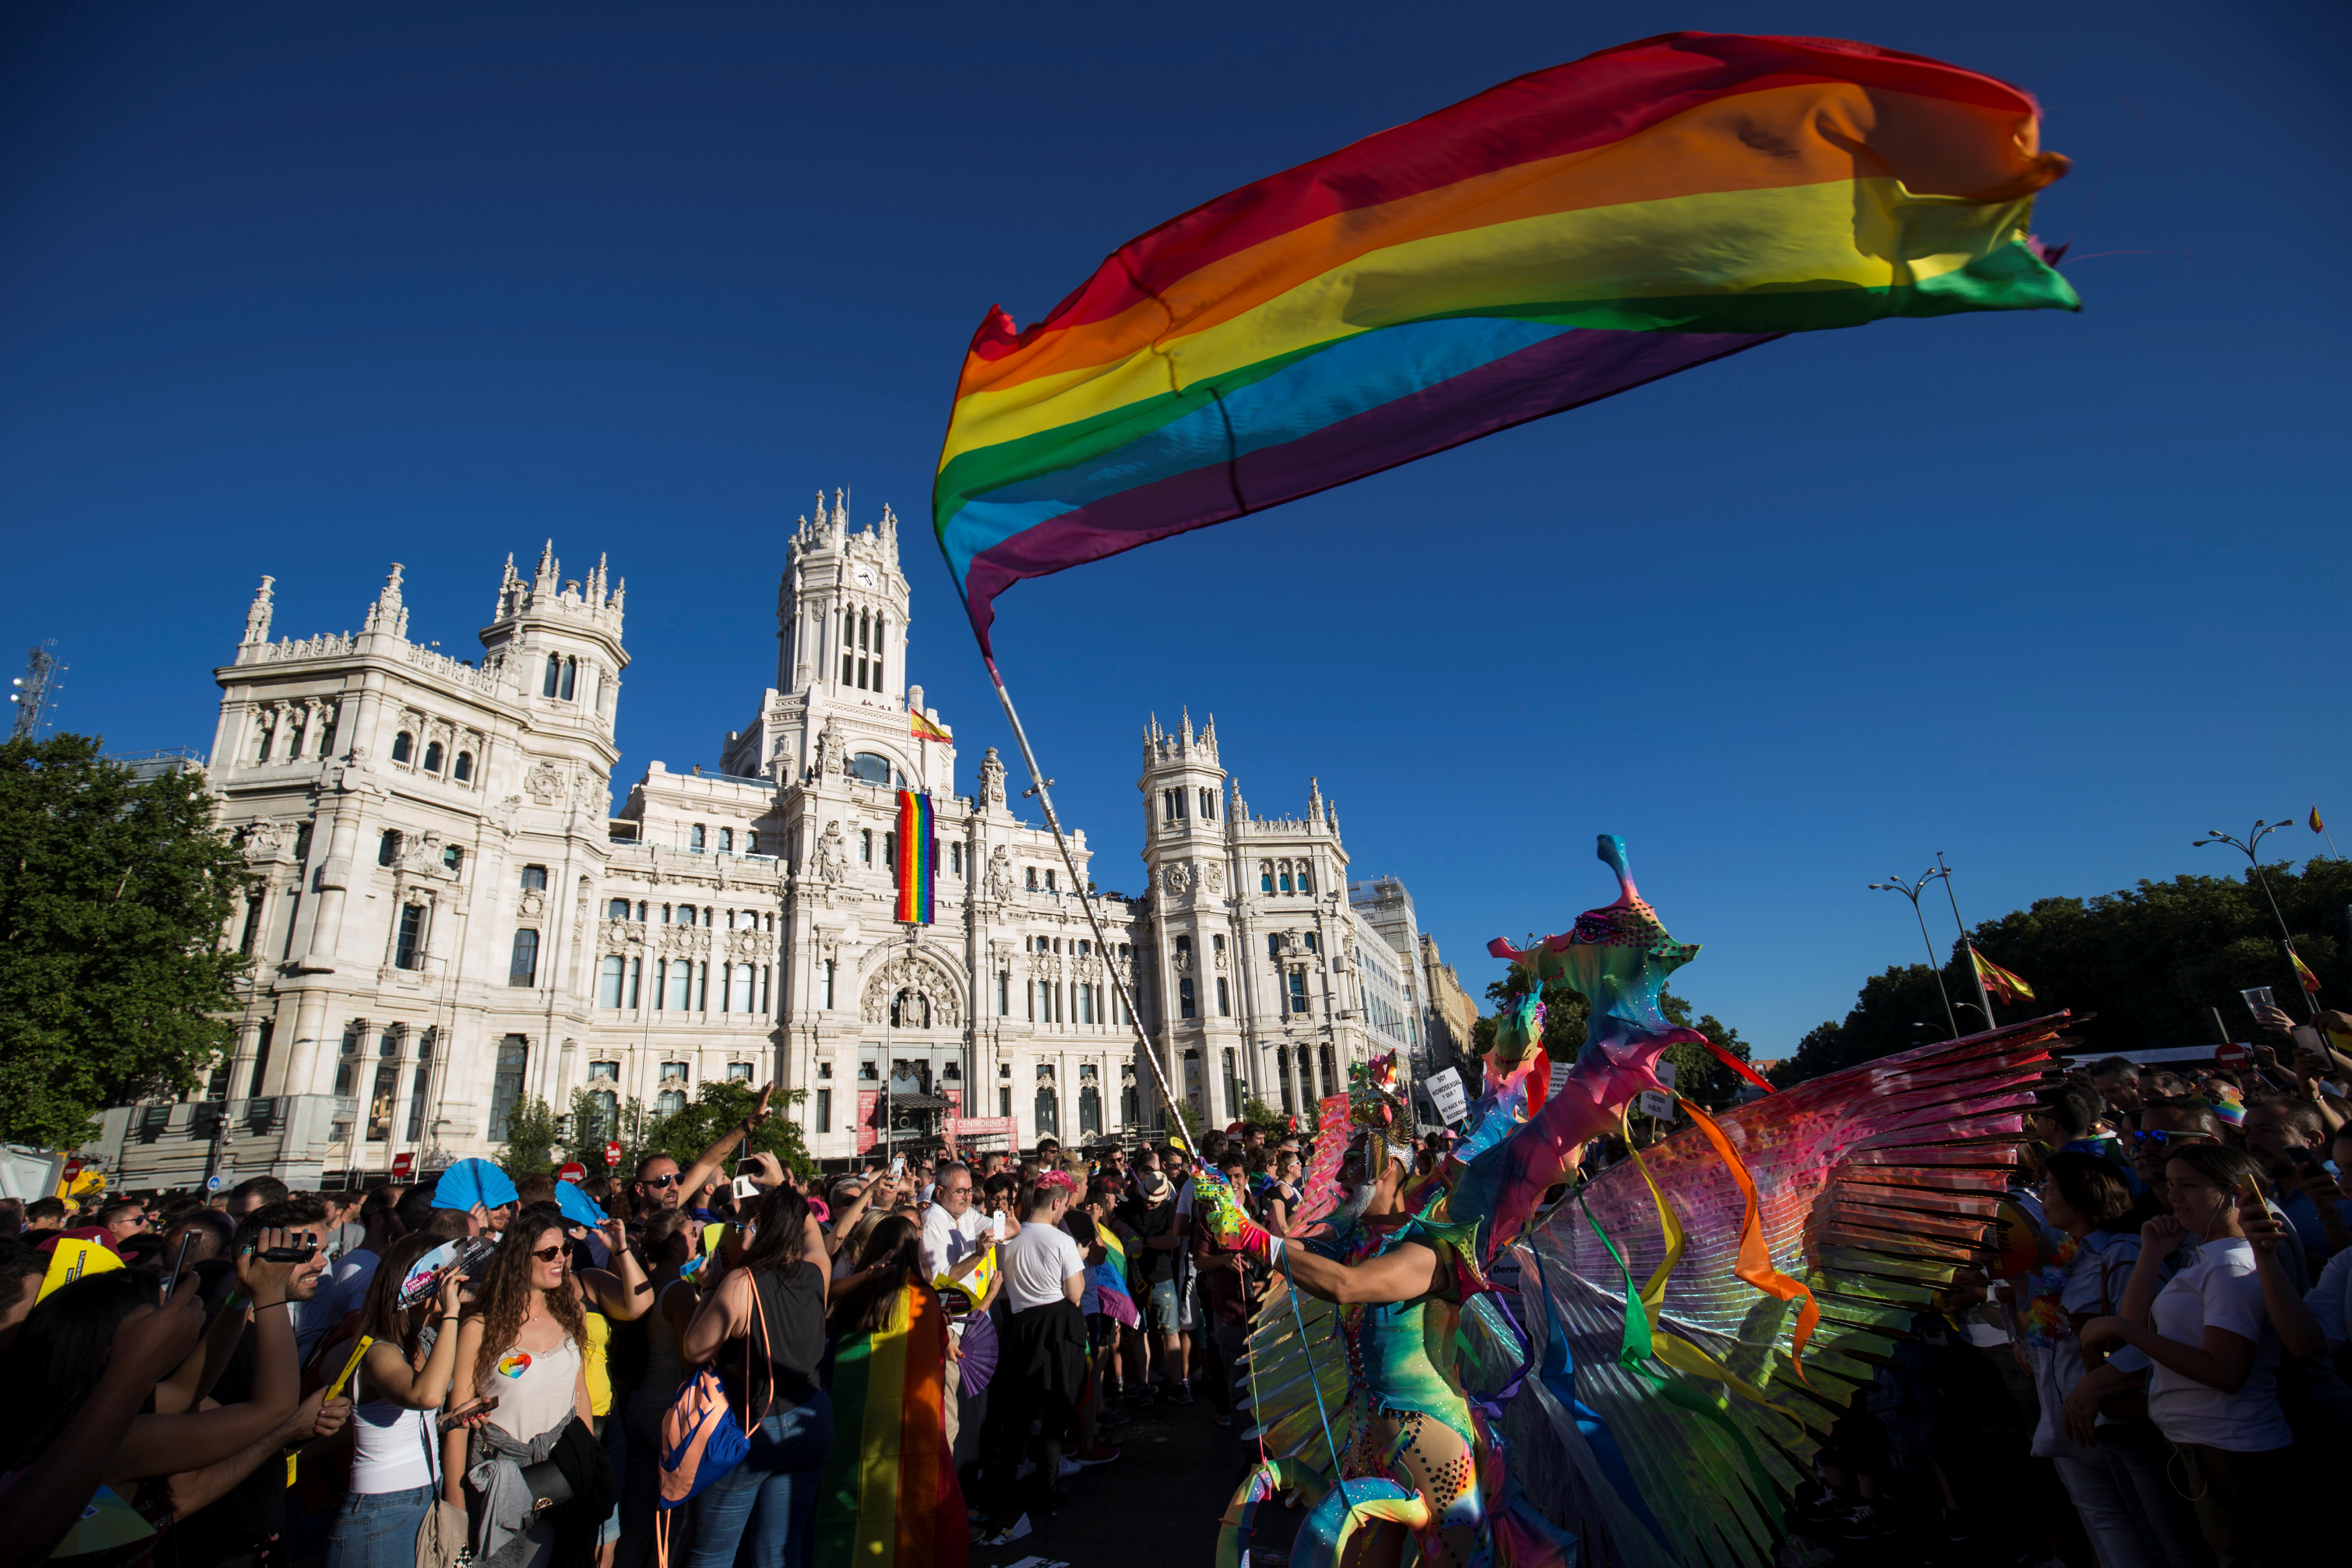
x,y
455,916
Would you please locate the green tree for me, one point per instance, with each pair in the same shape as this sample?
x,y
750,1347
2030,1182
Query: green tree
x,y
114,895
1256,1113
531,1132
2144,966
716,1106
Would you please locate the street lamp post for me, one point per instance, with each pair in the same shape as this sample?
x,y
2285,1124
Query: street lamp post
x,y
2247,846
1911,890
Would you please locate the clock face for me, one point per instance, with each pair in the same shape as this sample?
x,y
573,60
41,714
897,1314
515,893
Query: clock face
x,y
862,575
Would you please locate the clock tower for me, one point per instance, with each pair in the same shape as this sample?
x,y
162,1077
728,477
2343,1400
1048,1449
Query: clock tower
x,y
841,651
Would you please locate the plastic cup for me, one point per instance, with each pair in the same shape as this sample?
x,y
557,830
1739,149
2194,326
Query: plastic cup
x,y
2257,999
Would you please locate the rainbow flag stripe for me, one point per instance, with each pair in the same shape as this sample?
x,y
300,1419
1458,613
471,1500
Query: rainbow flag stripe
x,y
888,1497
1112,1280
918,855
1560,238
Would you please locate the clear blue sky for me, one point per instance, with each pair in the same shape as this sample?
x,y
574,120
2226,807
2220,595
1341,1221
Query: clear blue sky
x,y
306,289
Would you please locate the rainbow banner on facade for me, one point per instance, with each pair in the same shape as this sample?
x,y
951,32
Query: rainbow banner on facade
x,y
1558,239
917,870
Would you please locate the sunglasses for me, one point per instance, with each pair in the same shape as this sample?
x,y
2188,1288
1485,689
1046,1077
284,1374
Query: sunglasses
x,y
670,1180
548,1254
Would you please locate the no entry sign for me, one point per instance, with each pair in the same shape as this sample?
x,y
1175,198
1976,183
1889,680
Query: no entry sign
x,y
572,1170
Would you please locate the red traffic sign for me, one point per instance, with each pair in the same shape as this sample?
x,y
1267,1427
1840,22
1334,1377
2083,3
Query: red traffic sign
x,y
2232,1057
402,1164
572,1171
73,1167
611,1154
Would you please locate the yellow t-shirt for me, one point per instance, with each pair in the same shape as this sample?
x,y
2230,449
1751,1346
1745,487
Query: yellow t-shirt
x,y
600,1382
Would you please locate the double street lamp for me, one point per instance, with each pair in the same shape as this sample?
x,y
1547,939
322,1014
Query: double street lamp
x,y
1912,889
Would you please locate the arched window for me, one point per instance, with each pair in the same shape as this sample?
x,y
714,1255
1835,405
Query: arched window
x,y
464,771
262,754
1265,876
387,848
870,767
686,914
1306,878
751,840
617,910
571,678
1208,805
880,624
726,840
1049,1120
432,757
1282,875
694,838
1033,879
401,744
554,676
534,878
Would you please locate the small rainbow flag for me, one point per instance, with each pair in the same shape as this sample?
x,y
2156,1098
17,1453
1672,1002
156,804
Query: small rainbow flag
x,y
1565,236
2303,973
917,857
1112,1279
2000,981
920,728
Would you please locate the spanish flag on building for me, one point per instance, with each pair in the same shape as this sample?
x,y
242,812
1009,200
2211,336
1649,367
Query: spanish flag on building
x,y
922,728
2000,981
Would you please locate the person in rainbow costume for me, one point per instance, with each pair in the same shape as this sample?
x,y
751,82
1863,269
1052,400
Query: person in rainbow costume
x,y
1403,1256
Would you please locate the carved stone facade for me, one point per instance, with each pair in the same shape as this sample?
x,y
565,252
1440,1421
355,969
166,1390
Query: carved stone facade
x,y
425,825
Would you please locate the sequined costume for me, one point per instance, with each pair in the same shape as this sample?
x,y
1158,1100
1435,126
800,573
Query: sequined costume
x,y
1670,1341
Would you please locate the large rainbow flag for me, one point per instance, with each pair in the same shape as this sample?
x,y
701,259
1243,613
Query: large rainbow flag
x,y
888,1497
1552,241
918,856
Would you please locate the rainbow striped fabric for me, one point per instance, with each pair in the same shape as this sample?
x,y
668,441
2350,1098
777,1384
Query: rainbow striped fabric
x,y
1554,240
1112,1277
888,1497
917,855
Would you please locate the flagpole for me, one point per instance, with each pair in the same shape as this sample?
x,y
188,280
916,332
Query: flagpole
x,y
1975,971
1077,883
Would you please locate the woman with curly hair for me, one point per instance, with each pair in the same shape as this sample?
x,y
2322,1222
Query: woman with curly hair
x,y
889,1490
521,1347
763,1330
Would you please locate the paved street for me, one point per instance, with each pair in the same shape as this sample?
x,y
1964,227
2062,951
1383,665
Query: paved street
x,y
1163,1495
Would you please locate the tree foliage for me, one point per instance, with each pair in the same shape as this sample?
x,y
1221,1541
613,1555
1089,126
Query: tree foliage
x,y
2153,962
530,1132
716,1106
114,894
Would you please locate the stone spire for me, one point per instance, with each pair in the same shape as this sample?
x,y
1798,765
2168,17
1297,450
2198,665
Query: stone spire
x,y
1313,801
1185,735
257,619
509,588
388,613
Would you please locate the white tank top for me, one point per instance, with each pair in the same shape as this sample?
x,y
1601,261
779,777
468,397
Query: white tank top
x,y
392,1447
534,1388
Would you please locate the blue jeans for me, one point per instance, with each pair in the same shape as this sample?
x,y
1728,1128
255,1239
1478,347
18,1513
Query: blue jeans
x,y
378,1528
768,1503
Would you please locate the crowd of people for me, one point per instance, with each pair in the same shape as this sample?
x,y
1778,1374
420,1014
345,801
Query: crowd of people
x,y
726,1363
2152,1370
732,1361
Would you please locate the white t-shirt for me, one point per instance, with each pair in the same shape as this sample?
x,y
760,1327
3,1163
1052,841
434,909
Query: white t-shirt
x,y
1037,1262
2219,1290
2330,1301
948,1242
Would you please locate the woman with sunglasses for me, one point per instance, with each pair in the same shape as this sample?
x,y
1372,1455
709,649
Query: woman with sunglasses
x,y
403,1375
523,1347
763,1330
2215,1333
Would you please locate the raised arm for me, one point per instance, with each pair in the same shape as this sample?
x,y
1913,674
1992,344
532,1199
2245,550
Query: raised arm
x,y
716,1154
722,1317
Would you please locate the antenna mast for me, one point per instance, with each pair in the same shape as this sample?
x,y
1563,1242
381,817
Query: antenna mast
x,y
34,692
